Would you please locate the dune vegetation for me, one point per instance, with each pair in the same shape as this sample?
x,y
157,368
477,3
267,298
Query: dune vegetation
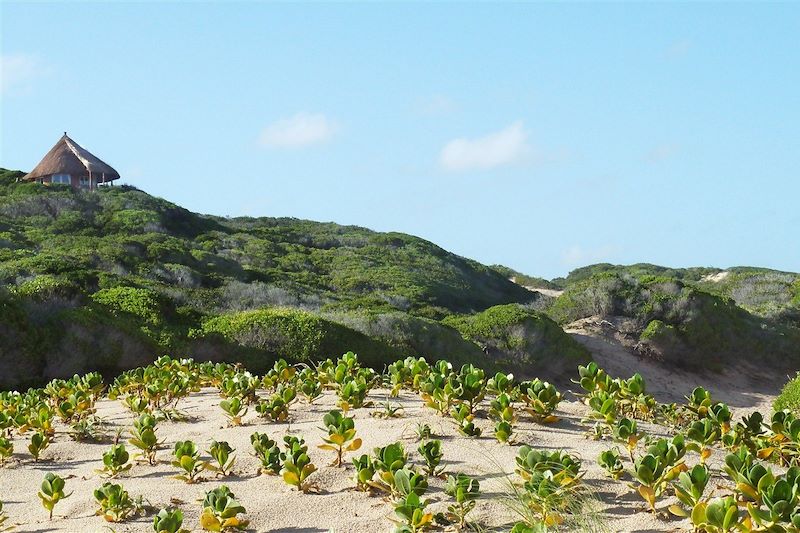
x,y
688,465
107,280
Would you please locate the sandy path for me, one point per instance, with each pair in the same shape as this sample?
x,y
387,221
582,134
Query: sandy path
x,y
746,389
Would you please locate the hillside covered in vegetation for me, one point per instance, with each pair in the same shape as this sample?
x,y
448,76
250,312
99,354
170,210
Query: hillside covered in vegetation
x,y
695,317
111,279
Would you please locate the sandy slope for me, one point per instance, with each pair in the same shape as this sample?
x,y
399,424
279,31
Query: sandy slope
x,y
745,388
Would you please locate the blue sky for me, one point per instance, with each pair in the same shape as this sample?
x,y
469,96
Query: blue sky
x,y
540,136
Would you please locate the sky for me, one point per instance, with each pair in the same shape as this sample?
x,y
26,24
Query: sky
x,y
539,136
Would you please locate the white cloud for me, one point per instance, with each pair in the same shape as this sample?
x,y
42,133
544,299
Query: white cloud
x,y
578,256
302,129
17,70
493,150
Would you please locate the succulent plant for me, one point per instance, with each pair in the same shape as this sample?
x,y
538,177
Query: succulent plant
x,y
115,461
341,435
187,458
431,452
267,451
169,521
297,466
465,491
115,503
222,453
221,511
52,492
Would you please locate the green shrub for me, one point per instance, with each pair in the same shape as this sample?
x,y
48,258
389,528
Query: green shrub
x,y
789,398
514,334
141,303
292,333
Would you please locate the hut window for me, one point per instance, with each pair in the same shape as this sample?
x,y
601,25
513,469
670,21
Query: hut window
x,y
61,178
84,181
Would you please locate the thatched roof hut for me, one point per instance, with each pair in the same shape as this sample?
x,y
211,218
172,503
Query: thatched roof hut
x,y
69,163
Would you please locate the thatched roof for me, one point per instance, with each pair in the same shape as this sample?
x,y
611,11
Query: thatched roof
x,y
68,157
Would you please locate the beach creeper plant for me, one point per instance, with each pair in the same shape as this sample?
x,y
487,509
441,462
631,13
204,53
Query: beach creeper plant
x,y
541,400
689,489
386,462
352,393
187,458
779,501
431,452
115,503
718,515
662,463
409,372
592,378
464,418
268,453
501,408
500,383
465,491
6,449
297,466
169,521
503,432
52,492
698,402
407,480
611,462
502,411
603,406
412,514
626,431
703,433
546,497
341,435
115,461
720,414
276,408
470,386
311,389
221,511
143,437
234,410
222,453
563,468
39,443
365,471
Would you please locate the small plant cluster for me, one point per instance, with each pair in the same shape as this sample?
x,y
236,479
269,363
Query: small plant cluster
x,y
612,398
159,387
221,512
71,402
116,505
761,501
551,487
296,466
